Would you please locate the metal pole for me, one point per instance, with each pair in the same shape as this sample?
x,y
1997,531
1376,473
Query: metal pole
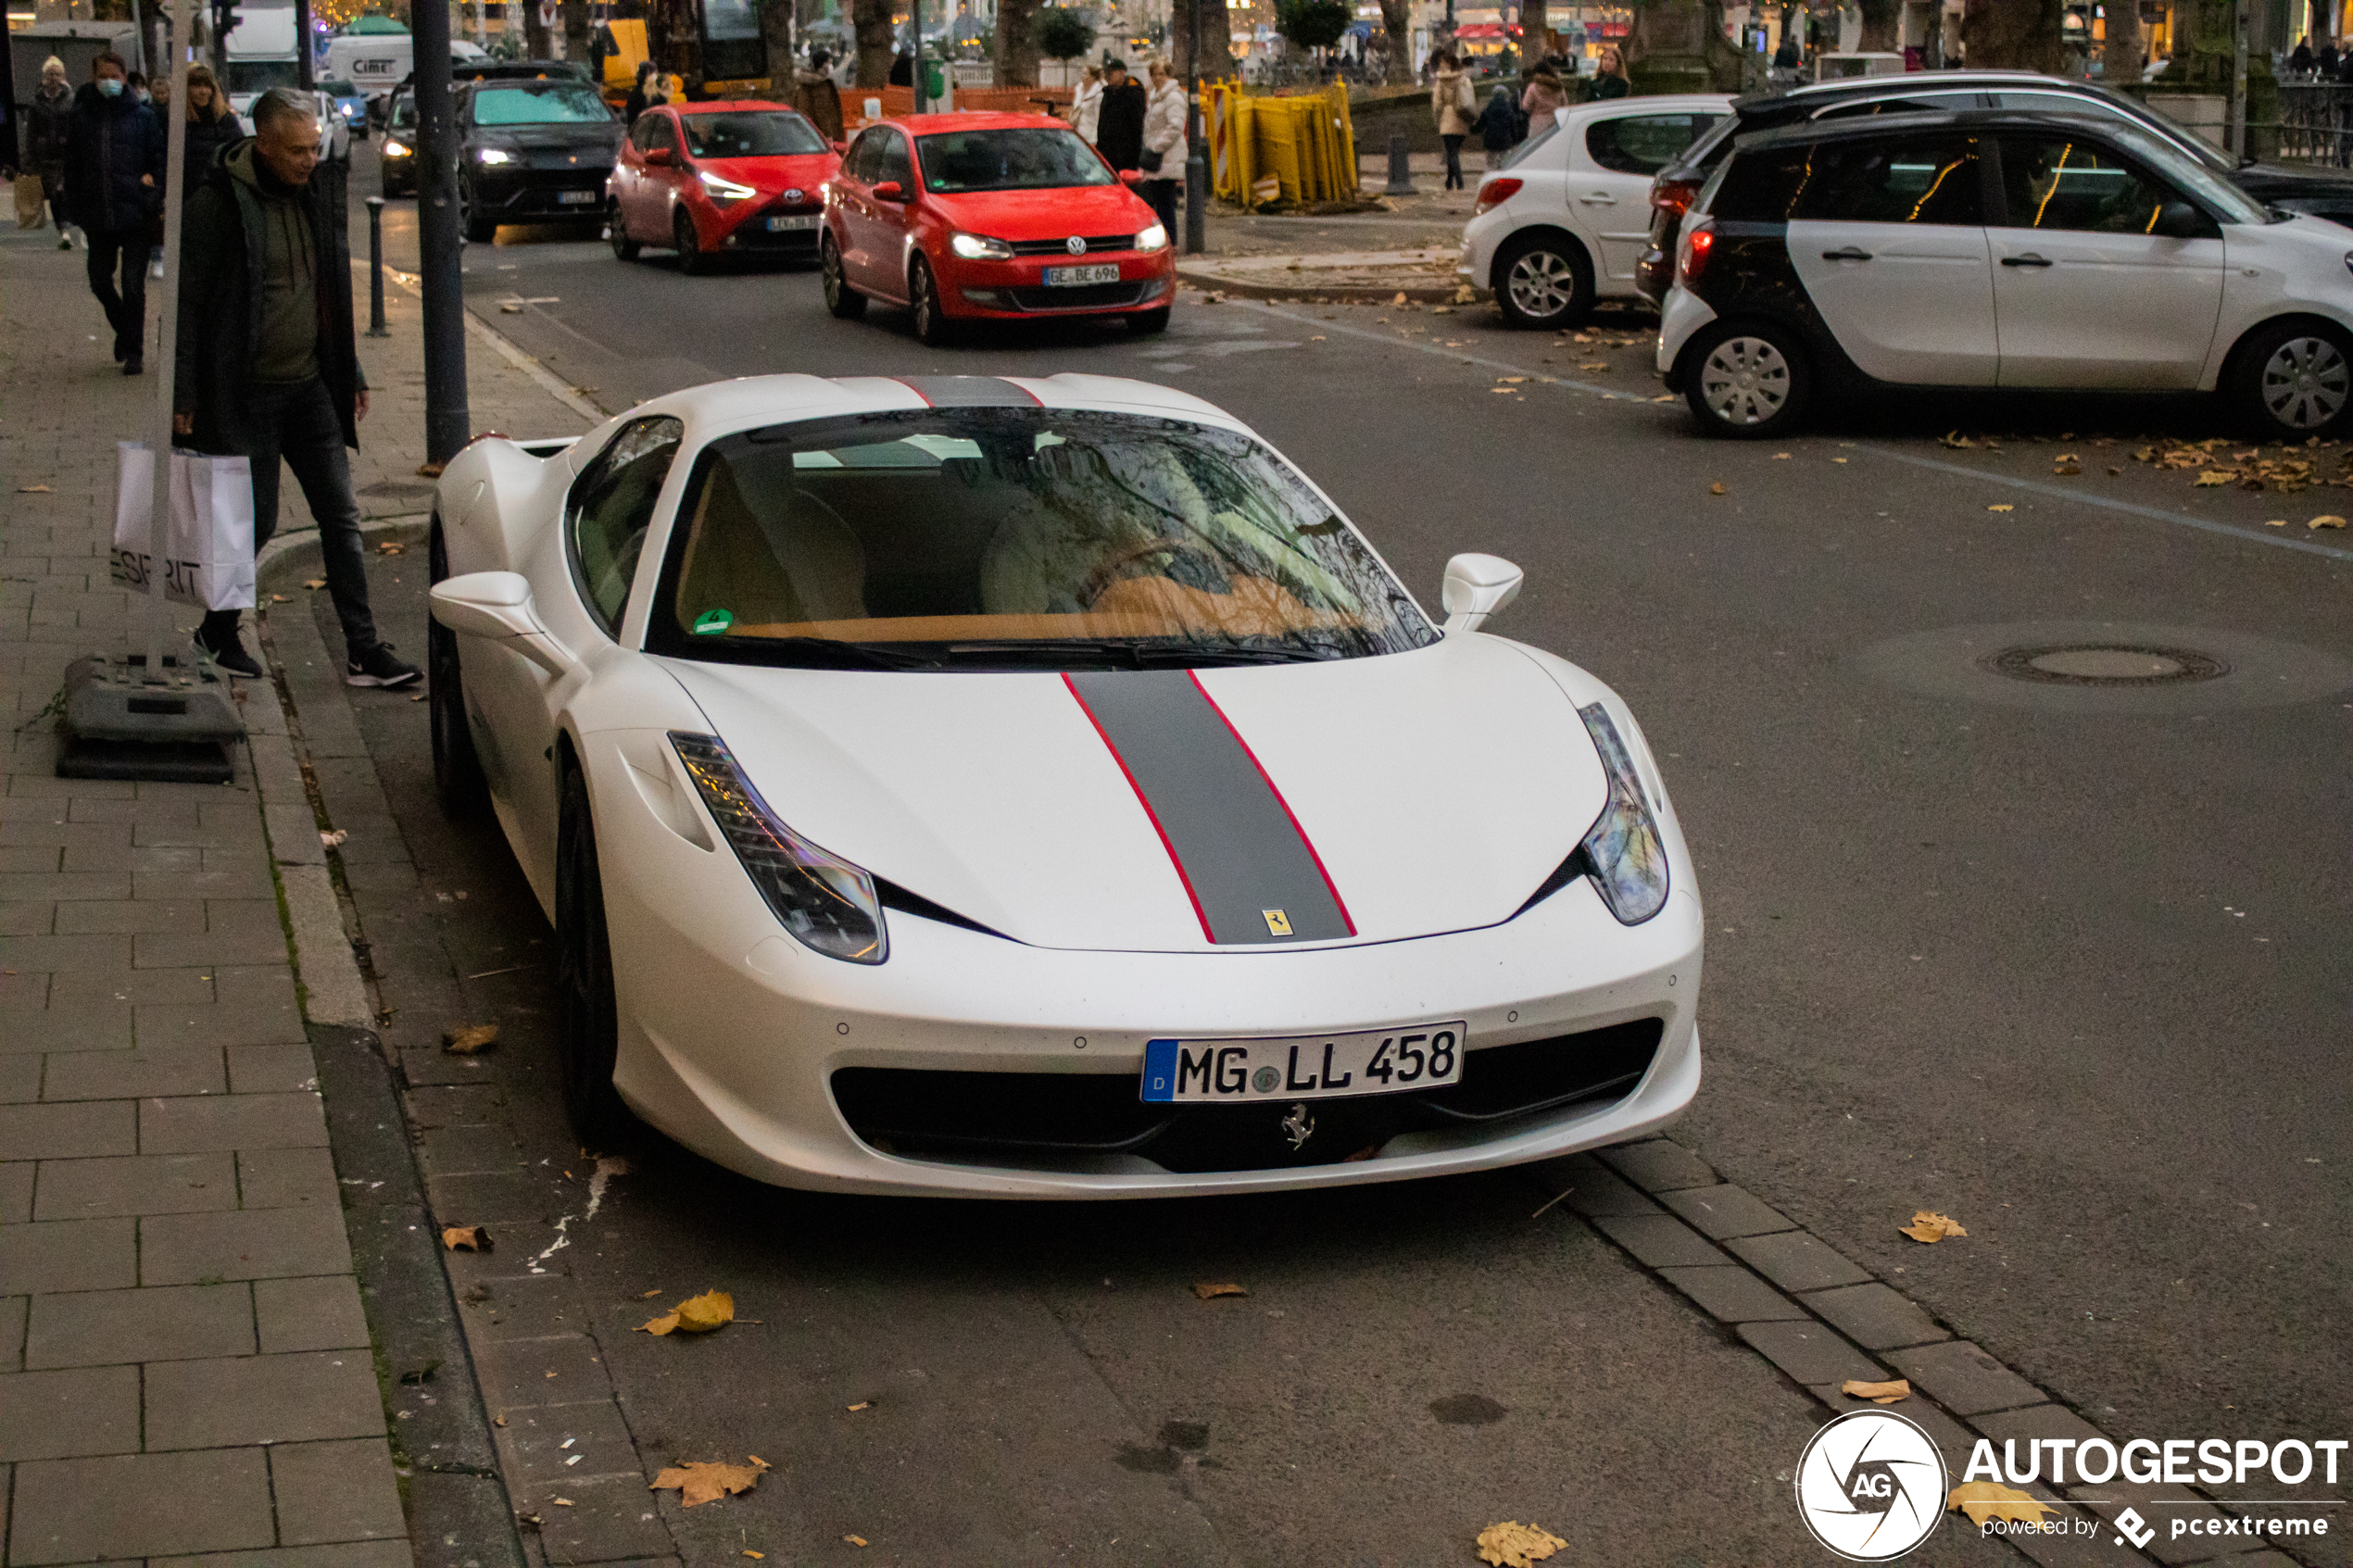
x,y
2238,81
376,268
304,72
167,340
1197,153
915,56
448,423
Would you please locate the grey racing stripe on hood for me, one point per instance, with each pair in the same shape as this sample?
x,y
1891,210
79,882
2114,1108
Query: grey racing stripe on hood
x,y
1243,857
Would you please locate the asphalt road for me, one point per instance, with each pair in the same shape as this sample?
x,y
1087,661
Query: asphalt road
x,y
2065,963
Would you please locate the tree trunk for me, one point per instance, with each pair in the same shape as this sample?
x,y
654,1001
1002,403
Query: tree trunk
x,y
1882,24
1216,43
876,40
2013,36
535,31
1015,53
1397,42
576,31
776,32
1532,24
2123,52
1679,46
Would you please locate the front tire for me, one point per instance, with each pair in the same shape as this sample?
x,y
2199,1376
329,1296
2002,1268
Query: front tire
x,y
2292,382
932,325
458,783
622,245
1544,282
1747,382
481,226
692,257
587,1026
846,303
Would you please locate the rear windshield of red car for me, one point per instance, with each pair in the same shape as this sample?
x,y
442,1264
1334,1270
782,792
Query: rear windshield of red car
x,y
1039,159
751,134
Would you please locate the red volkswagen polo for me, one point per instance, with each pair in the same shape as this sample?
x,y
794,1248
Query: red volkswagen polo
x,y
710,179
961,217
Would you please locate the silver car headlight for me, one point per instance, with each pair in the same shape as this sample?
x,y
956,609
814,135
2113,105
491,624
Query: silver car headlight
x,y
1626,855
825,903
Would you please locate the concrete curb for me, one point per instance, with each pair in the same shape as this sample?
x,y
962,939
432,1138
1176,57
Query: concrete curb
x,y
325,967
1240,282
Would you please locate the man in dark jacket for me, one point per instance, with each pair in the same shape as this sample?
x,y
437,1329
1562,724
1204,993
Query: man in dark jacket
x,y
114,185
266,364
1119,127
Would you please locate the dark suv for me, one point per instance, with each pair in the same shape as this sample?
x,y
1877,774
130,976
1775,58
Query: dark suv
x,y
533,151
2320,193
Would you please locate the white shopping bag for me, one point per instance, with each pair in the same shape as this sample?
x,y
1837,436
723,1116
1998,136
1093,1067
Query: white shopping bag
x,y
207,543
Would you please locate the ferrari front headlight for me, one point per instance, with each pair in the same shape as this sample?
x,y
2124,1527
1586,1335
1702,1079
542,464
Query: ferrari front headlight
x,y
827,903
1624,849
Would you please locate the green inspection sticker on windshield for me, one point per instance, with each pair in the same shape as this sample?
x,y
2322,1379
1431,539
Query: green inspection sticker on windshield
x,y
711,622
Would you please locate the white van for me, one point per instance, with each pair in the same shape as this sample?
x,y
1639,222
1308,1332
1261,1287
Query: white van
x,y
377,62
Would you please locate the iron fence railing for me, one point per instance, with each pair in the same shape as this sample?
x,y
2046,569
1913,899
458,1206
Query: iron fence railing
x,y
2315,124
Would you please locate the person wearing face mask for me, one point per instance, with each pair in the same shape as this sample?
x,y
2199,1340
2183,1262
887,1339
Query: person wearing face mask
x,y
114,184
48,114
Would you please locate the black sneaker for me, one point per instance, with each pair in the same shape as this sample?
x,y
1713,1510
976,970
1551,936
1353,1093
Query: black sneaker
x,y
134,366
229,654
376,666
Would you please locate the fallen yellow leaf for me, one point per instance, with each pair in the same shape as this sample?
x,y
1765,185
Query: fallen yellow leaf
x,y
1930,1228
1778,456
748,1552
1838,459
2212,477
473,1238
697,1314
861,1540
650,1295
697,1482
35,490
1990,1499
2326,521
314,583
1511,380
860,1405
1878,1393
281,598
1717,488
2277,522
1208,1291
473,1038
2002,507
1515,1544
390,548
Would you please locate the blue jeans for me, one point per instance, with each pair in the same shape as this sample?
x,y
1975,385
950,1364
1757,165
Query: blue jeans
x,y
299,422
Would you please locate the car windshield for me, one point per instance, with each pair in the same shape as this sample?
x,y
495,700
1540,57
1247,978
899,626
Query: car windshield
x,y
751,134
552,103
999,538
339,89
2227,202
404,112
1016,159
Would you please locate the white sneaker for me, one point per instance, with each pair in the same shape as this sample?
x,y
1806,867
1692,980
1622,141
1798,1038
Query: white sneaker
x,y
155,269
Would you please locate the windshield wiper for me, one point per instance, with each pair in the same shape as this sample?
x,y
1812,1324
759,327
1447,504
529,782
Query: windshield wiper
x,y
820,653
1060,652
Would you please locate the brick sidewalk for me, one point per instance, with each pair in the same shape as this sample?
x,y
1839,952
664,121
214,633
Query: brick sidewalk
x,y
185,1362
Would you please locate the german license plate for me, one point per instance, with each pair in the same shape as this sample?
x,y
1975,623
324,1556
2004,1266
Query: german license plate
x,y
796,223
1378,1061
575,198
1079,277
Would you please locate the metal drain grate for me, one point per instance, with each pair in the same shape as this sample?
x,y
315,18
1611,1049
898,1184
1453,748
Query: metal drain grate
x,y
2106,664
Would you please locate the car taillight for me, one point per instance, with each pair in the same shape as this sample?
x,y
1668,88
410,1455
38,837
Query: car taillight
x,y
1673,196
1699,243
1494,193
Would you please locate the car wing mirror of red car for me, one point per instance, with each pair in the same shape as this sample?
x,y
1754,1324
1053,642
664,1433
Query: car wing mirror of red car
x,y
891,190
660,157
1131,176
838,147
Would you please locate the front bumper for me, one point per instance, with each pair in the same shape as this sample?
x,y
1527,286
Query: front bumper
x,y
730,1032
745,226
1019,288
519,193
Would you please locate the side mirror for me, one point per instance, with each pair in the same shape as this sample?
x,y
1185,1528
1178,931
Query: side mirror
x,y
1131,176
496,606
891,190
2180,220
1477,586
660,157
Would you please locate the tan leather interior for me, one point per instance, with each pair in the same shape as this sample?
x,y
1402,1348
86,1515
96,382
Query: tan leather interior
x,y
1136,607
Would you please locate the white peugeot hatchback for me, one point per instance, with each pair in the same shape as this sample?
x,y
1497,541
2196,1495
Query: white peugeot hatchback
x,y
1563,223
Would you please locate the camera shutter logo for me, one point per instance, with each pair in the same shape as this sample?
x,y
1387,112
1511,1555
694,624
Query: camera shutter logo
x,y
1870,1486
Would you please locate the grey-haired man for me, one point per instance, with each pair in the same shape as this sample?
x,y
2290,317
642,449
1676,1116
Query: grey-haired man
x,y
266,364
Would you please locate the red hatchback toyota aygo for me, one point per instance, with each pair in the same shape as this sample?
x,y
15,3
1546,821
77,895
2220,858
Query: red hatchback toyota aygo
x,y
969,216
710,180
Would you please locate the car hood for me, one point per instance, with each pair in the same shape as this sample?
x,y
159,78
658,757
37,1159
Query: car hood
x,y
580,134
1433,791
806,170
1046,215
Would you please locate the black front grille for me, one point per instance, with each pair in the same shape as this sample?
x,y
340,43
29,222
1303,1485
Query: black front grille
x,y
1089,296
1056,1116
1061,247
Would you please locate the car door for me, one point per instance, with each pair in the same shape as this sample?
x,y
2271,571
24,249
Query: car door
x,y
2087,292
1610,170
890,222
853,186
628,182
1888,240
661,181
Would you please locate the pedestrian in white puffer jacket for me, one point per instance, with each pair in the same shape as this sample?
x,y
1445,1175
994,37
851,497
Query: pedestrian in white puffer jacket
x,y
1164,136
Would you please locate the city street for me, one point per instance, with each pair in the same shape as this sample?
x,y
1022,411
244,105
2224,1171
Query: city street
x,y
2063,961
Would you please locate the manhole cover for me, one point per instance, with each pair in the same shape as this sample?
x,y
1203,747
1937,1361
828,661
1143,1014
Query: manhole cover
x,y
2106,664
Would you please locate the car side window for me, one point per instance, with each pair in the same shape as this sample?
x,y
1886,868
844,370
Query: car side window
x,y
641,135
2062,182
1642,144
1932,178
1900,106
611,507
892,164
858,163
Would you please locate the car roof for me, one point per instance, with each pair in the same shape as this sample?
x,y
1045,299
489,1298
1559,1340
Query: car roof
x,y
716,106
1668,103
1916,81
932,124
1919,119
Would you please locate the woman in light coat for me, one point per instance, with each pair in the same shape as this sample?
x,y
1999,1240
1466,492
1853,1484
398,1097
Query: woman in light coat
x,y
1087,105
1452,101
1164,148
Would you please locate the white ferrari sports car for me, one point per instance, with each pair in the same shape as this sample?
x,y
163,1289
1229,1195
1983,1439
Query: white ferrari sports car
x,y
1035,788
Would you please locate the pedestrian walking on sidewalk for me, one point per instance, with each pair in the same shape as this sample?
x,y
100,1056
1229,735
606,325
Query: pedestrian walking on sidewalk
x,y
114,185
211,127
47,115
1087,105
1498,126
1545,97
1119,124
815,95
1452,101
267,365
1165,146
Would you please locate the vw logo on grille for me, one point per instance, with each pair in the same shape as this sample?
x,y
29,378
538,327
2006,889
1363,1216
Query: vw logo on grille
x,y
1076,245
796,194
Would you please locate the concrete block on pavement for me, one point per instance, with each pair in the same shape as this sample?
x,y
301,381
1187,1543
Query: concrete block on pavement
x,y
247,1244
2034,1422
349,1554
70,1255
69,1413
1659,1165
1875,1317
1731,1294
1965,1379
1797,1261
335,1492
238,1121
136,1074
103,1327
141,1505
102,1026
287,1178
140,1184
1660,1240
1727,1211
68,1131
559,1369
16,1191
19,1079
1808,1353
287,1069
1587,1187
309,1314
288,1398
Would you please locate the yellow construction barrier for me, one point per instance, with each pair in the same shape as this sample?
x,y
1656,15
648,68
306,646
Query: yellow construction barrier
x,y
1291,148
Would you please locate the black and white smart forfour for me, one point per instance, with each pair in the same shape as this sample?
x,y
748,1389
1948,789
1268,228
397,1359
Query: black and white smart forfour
x,y
1999,250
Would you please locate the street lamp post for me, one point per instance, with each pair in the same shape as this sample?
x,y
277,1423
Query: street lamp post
x,y
1196,156
448,422
915,54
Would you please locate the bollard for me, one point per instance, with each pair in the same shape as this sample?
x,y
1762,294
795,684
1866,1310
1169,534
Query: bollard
x,y
1400,174
376,268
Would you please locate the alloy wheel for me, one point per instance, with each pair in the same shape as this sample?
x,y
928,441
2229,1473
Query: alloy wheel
x,y
1543,284
1744,380
2306,383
